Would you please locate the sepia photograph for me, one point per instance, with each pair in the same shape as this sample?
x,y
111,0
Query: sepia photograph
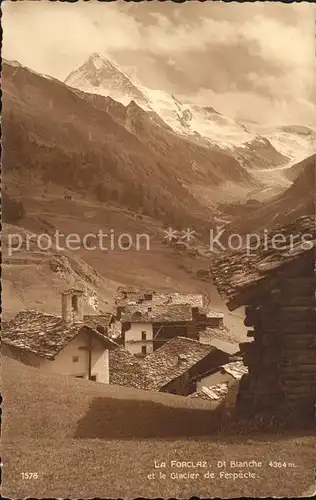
x,y
158,327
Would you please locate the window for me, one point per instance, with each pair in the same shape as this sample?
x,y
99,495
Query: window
x,y
79,376
144,349
74,302
143,335
94,378
75,359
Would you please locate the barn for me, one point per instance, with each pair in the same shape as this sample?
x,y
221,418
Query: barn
x,y
275,283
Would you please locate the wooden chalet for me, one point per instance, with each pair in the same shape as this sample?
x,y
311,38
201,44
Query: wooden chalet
x,y
276,283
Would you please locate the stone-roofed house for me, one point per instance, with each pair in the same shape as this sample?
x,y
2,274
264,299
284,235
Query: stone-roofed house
x,y
69,344
276,282
222,385
145,329
175,366
151,318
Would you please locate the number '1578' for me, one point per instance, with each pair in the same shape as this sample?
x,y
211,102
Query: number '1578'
x,y
29,475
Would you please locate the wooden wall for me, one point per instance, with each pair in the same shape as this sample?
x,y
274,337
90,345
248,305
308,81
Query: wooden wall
x,y
281,359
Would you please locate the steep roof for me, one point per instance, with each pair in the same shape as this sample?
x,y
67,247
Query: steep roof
x,y
158,314
173,359
45,334
235,273
125,369
135,296
95,320
177,298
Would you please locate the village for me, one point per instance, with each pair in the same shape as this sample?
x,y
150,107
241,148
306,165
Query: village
x,y
153,341
158,322
176,343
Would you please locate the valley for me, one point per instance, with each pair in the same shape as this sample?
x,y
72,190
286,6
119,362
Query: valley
x,y
80,161
158,249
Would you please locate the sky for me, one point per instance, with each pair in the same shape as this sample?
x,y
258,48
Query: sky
x,y
249,61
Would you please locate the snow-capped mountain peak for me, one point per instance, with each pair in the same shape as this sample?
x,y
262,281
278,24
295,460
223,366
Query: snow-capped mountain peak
x,y
100,62
253,145
100,75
